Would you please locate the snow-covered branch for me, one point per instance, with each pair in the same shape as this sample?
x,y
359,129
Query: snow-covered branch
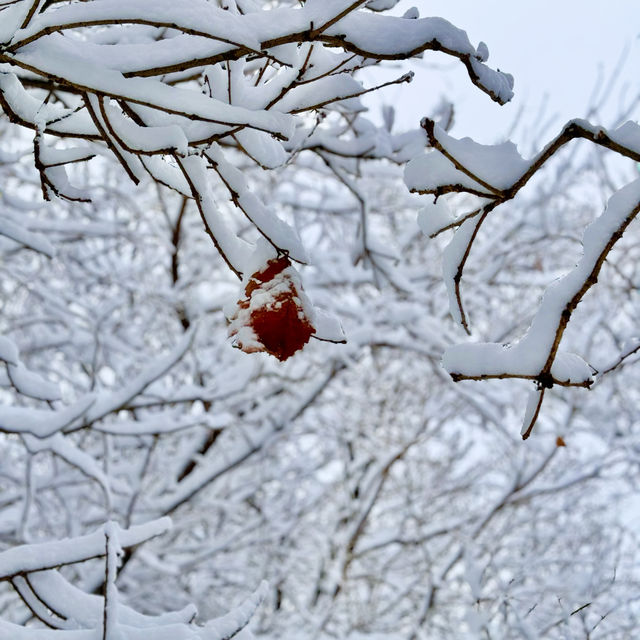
x,y
172,91
496,174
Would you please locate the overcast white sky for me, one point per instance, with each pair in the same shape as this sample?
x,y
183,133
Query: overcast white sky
x,y
555,48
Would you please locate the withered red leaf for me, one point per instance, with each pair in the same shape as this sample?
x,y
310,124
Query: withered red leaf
x,y
273,315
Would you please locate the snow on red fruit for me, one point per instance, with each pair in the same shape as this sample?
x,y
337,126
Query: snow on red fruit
x,y
274,315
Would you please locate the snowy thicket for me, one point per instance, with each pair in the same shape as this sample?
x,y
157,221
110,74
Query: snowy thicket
x,y
375,496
